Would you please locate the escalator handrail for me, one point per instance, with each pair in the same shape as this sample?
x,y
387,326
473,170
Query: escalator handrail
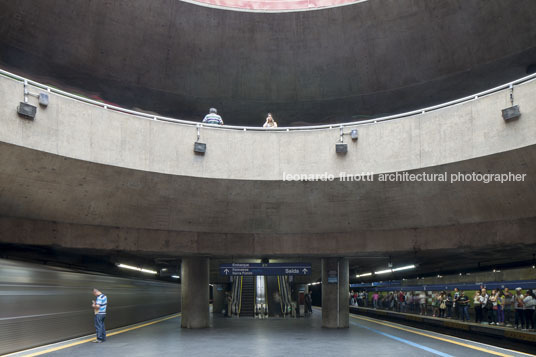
x,y
240,306
280,295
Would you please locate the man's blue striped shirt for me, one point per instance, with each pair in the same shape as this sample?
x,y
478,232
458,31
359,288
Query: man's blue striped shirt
x,y
102,300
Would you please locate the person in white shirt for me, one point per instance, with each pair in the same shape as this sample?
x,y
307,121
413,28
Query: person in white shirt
x,y
518,306
529,302
486,310
270,122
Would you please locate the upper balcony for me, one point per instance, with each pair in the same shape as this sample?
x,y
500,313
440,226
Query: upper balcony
x,y
332,65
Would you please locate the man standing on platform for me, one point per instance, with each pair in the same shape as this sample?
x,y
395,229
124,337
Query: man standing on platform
x,y
99,308
308,303
456,304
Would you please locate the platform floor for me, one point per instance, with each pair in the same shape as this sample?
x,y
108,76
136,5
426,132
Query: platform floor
x,y
272,337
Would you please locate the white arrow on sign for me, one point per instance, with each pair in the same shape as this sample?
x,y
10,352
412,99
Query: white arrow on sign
x,y
305,270
226,271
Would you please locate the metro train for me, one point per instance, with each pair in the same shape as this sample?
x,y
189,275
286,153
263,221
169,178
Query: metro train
x,y
42,304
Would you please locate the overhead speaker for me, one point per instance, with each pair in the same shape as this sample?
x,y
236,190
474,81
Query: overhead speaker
x,y
43,99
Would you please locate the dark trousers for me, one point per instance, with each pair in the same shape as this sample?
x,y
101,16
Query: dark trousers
x,y
457,310
494,315
478,314
99,327
519,318
486,315
508,315
529,318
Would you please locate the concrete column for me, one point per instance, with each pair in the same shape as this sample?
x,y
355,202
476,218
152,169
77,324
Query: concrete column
x,y
194,292
335,305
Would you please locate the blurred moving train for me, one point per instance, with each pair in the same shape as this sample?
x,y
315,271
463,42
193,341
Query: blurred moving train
x,y
42,304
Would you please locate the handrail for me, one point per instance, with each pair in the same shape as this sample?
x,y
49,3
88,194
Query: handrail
x,y
266,310
254,128
280,296
240,306
255,296
235,297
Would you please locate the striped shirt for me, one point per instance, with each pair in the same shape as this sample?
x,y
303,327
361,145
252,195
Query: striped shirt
x,y
102,300
213,118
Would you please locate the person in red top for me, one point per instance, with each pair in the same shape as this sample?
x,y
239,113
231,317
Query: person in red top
x,y
401,301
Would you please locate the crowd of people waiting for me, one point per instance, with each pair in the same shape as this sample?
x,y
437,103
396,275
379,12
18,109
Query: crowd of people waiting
x,y
499,307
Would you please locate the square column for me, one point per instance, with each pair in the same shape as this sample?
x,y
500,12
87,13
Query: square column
x,y
195,292
335,283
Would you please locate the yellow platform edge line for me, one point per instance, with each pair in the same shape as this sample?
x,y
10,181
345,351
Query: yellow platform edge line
x,y
438,338
49,350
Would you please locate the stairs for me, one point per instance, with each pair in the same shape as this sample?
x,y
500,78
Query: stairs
x,y
248,296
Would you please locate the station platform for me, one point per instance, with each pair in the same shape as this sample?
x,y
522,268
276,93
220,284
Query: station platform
x,y
471,330
271,337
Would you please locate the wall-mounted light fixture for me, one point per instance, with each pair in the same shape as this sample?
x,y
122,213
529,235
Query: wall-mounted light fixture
x,y
26,110
29,111
341,147
199,148
512,112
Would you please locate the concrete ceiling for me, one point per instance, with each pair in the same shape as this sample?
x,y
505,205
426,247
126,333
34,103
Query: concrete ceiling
x,y
331,65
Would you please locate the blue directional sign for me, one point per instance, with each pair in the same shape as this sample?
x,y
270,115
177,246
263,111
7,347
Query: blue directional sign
x,y
237,269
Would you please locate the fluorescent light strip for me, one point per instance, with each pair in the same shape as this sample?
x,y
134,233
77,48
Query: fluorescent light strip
x,y
136,268
386,271
405,268
360,275
175,277
383,271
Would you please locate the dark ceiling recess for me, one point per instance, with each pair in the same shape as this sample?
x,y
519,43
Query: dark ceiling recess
x,y
307,67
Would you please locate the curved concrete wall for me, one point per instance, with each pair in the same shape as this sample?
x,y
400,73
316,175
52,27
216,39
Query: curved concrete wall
x,y
84,177
81,131
179,59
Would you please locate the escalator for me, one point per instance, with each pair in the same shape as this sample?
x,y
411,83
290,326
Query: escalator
x,y
262,296
284,291
247,299
273,297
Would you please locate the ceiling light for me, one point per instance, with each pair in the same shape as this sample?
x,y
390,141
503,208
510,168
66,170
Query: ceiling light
x,y
405,267
366,274
383,271
125,266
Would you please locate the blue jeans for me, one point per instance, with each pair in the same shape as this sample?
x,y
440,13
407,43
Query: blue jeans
x,y
465,313
99,327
